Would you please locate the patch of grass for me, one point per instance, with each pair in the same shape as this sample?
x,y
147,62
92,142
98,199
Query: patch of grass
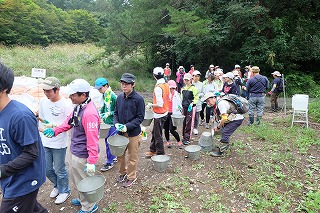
x,y
314,110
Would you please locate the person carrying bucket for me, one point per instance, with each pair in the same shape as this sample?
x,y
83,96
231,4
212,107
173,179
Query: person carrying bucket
x,y
106,115
128,115
55,109
84,123
160,108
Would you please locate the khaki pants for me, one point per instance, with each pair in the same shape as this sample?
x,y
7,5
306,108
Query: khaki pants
x,y
77,174
131,169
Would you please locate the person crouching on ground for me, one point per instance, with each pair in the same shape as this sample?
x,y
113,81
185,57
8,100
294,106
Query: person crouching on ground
x,y
106,115
128,115
190,99
84,123
228,121
160,108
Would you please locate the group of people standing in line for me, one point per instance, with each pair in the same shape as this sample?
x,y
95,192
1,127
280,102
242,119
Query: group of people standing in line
x,y
25,146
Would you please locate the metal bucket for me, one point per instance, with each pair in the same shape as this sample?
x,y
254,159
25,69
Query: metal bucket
x,y
193,151
177,120
104,129
92,188
160,162
148,117
118,144
206,142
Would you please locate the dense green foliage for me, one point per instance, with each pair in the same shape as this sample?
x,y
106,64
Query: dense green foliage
x,y
275,35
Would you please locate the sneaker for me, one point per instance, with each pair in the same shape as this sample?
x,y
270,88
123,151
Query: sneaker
x,y
121,178
186,142
54,193
180,145
216,153
195,131
75,202
128,183
62,197
168,144
207,126
107,167
150,154
201,122
95,208
115,160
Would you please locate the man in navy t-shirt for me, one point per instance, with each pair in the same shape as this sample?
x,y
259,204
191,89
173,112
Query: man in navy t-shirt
x,y
22,162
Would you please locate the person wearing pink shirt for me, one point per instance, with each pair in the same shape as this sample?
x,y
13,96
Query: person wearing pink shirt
x,y
84,123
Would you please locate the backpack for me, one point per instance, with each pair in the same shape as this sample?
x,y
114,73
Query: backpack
x,y
240,105
281,86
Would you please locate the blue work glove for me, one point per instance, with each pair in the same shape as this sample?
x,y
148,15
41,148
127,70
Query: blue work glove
x,y
104,115
120,127
46,121
48,133
190,107
90,168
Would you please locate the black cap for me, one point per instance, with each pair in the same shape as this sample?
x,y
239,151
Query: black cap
x,y
128,78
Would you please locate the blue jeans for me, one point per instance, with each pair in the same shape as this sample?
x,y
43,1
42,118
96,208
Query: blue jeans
x,y
110,157
56,170
256,104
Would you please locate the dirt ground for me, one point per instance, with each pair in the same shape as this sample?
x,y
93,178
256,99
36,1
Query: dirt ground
x,y
140,193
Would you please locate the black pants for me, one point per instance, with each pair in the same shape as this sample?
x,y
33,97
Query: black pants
x,y
209,111
168,126
24,204
156,140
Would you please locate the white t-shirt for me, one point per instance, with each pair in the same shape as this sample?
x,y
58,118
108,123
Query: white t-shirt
x,y
224,106
57,113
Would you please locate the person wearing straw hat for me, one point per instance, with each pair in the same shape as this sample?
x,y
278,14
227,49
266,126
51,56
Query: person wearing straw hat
x,y
256,87
55,109
22,161
84,122
106,115
275,91
229,122
128,115
160,106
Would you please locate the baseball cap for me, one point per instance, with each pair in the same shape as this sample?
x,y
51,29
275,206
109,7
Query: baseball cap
x,y
277,73
77,85
181,67
196,72
50,83
128,78
187,76
228,75
211,66
255,69
191,65
158,71
100,82
167,64
237,66
172,84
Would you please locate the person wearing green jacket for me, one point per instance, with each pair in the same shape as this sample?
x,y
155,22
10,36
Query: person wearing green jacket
x,y
106,114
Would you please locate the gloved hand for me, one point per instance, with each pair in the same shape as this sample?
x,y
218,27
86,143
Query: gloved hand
x,y
149,105
120,127
270,92
48,133
105,115
190,107
90,168
46,121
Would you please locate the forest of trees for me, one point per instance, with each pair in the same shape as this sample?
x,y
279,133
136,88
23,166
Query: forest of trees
x,y
275,35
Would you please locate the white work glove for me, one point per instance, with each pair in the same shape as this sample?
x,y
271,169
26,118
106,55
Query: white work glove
x,y
90,168
105,115
149,105
49,125
120,127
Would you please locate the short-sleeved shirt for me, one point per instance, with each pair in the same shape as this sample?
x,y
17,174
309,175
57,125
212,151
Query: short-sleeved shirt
x,y
224,106
18,128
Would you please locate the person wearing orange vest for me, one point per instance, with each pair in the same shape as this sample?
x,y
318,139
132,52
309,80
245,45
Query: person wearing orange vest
x,y
160,108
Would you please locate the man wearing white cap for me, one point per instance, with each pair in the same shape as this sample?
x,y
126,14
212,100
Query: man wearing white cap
x,y
277,88
84,122
55,109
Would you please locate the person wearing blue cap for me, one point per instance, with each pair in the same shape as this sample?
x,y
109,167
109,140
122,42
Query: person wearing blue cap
x,y
106,114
